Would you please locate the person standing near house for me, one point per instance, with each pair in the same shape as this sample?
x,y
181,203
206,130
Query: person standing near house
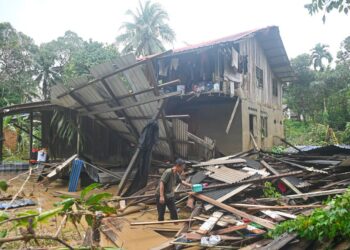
x,y
165,195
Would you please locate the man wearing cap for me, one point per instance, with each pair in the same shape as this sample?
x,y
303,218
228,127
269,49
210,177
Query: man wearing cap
x,y
165,196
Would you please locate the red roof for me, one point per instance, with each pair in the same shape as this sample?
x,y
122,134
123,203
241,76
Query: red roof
x,y
230,38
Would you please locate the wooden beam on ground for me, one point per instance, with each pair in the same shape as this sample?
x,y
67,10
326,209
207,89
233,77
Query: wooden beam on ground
x,y
210,223
84,85
311,194
229,229
260,207
280,242
133,105
234,211
284,180
159,222
60,167
232,115
226,185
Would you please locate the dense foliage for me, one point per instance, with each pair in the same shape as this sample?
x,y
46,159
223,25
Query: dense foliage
x,y
321,95
28,71
330,222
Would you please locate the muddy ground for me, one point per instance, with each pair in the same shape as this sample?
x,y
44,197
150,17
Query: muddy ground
x,y
140,237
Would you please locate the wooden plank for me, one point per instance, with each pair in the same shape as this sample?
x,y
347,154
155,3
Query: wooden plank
x,y
229,229
228,195
159,222
210,223
259,207
232,115
60,167
220,162
235,211
280,242
284,180
311,194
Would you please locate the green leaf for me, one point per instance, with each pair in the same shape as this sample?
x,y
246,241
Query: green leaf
x,y
3,185
4,216
88,189
96,198
89,219
104,209
67,203
48,214
3,233
24,222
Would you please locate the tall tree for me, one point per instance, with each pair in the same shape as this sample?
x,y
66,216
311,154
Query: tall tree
x,y
318,54
147,31
327,6
16,66
297,94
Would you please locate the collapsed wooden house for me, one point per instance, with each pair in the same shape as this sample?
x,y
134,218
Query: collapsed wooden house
x,y
211,98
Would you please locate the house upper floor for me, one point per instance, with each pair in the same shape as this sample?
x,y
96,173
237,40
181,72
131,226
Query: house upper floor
x,y
252,65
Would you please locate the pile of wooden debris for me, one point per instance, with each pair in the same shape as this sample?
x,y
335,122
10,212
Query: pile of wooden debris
x,y
245,195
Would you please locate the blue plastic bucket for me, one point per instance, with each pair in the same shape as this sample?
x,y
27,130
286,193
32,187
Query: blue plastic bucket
x,y
197,188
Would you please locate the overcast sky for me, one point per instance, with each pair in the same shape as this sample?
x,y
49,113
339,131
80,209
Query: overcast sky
x,y
193,20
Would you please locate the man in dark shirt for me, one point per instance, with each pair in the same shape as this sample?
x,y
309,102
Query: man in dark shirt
x,y
165,196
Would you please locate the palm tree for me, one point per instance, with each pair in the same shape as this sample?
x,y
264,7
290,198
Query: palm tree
x,y
320,52
147,31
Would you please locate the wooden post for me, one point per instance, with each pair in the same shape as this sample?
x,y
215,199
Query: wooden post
x,y
78,135
1,136
232,115
136,154
30,134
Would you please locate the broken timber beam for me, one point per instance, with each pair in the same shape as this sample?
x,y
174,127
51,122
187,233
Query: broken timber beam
x,y
121,97
84,85
59,168
133,105
232,115
159,222
226,185
284,180
311,194
234,211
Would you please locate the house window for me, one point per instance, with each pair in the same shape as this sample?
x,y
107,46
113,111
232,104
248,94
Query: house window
x,y
259,77
252,125
274,87
263,123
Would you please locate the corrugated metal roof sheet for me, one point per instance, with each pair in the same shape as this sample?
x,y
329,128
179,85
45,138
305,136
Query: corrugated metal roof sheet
x,y
225,174
132,80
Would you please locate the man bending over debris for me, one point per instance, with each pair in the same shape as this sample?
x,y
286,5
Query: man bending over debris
x,y
165,195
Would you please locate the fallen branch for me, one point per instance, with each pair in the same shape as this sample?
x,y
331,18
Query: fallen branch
x,y
32,237
20,190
